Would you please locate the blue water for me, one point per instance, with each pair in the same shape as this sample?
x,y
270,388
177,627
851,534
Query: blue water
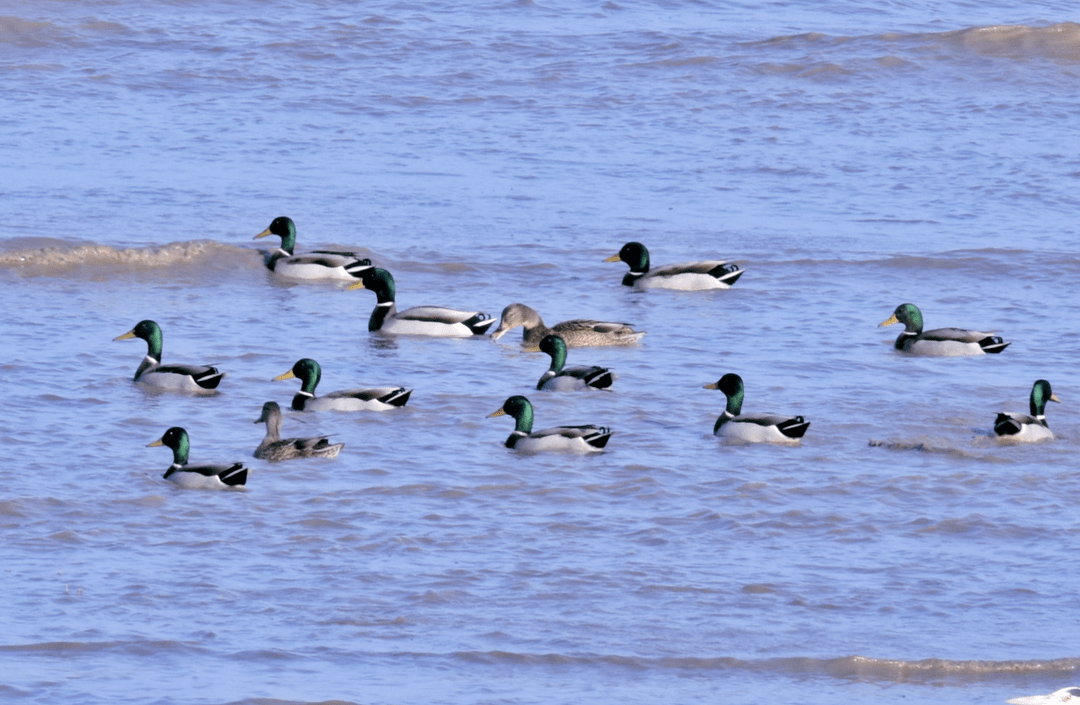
x,y
850,157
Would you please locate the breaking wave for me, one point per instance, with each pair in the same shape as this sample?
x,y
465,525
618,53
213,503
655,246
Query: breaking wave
x,y
46,257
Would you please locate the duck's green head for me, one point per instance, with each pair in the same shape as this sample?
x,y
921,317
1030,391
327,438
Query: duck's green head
x,y
731,385
177,439
520,409
378,280
909,315
150,332
284,228
307,371
1040,394
555,346
634,254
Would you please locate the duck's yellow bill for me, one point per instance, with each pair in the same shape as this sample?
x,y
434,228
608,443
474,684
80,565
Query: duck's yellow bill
x,y
155,443
613,258
1053,397
126,336
500,412
286,375
712,385
264,233
889,321
357,285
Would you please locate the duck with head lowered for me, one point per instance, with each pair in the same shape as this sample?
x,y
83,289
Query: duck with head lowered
x,y
753,428
939,342
576,333
318,264
309,373
206,477
419,320
686,276
172,378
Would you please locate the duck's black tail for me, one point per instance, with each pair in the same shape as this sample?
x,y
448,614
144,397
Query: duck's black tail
x,y
209,379
600,438
236,475
728,273
993,344
1005,425
599,378
479,323
398,397
357,268
793,428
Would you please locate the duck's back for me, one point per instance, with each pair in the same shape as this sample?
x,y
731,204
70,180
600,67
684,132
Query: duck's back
x,y
691,276
764,428
437,321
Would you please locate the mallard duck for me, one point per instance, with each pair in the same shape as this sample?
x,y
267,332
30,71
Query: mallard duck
x,y
419,320
1058,696
575,438
687,276
1022,427
318,264
210,477
940,342
567,379
753,428
176,378
309,373
273,447
576,333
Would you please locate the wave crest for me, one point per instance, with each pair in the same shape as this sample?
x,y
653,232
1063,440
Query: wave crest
x,y
27,33
1059,42
805,53
859,668
43,257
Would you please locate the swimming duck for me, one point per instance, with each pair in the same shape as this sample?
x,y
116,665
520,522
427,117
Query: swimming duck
x,y
210,477
753,428
318,264
1022,427
419,320
273,447
176,378
687,276
1058,696
566,379
574,438
309,373
576,333
940,342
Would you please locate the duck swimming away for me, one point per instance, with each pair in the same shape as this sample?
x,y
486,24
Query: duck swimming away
x,y
1028,427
